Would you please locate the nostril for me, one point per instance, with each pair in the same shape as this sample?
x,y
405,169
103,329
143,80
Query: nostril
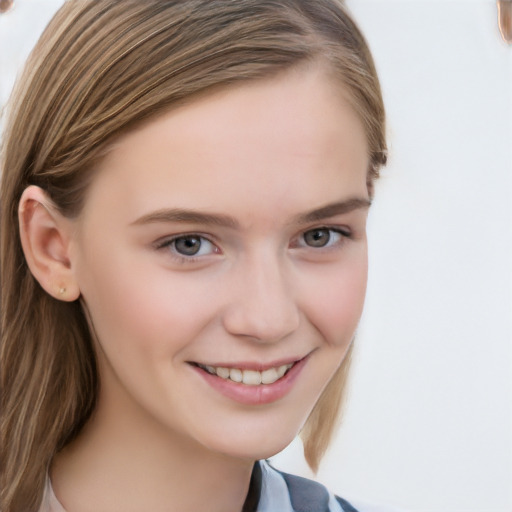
x,y
261,304
261,324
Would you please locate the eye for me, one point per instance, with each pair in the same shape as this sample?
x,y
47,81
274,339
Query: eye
x,y
323,237
189,245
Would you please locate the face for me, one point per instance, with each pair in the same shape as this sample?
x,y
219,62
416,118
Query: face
x,y
225,242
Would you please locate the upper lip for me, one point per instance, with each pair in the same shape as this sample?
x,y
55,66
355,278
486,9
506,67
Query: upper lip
x,y
252,365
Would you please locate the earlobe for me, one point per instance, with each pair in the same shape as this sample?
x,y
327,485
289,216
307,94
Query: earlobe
x,y
45,237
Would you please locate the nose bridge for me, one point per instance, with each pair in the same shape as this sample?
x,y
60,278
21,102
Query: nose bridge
x,y
263,305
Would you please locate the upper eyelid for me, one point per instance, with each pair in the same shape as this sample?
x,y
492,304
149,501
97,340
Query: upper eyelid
x,y
166,243
344,230
345,233
166,240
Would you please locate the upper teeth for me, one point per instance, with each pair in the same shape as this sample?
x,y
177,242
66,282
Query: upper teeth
x,y
249,377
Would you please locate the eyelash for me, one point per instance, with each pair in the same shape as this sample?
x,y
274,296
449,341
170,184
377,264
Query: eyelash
x,y
169,243
181,258
344,233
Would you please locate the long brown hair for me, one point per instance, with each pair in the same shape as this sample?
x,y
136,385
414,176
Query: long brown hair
x,y
100,68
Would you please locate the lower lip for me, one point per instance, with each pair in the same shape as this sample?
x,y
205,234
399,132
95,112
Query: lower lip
x,y
254,395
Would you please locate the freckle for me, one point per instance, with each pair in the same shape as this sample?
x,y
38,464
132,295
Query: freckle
x,y
5,5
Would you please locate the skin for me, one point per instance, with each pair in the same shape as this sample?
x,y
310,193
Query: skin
x,y
265,154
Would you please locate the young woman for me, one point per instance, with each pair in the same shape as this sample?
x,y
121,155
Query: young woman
x,y
183,252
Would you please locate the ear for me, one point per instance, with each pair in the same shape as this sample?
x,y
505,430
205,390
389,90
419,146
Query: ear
x,y
45,237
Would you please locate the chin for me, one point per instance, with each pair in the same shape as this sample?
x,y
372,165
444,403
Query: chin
x,y
253,444
257,452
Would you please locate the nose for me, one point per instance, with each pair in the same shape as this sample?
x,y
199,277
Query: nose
x,y
262,304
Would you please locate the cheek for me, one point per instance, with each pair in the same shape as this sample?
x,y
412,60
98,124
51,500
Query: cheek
x,y
335,305
144,308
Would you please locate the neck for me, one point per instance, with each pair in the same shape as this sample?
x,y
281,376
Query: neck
x,y
130,462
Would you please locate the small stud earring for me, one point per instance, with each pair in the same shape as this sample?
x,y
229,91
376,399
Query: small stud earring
x,y
62,291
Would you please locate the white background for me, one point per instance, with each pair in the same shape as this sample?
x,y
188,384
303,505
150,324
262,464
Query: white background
x,y
428,425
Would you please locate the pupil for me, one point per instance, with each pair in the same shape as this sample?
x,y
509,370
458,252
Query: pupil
x,y
317,237
188,246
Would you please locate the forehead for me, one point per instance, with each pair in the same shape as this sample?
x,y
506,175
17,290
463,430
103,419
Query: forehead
x,y
291,134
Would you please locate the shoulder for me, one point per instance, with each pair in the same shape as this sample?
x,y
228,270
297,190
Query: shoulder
x,y
284,492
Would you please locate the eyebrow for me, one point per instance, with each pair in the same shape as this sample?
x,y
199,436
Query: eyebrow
x,y
333,209
187,216
182,215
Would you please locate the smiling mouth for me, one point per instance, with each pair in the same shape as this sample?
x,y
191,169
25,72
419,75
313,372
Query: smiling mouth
x,y
248,377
